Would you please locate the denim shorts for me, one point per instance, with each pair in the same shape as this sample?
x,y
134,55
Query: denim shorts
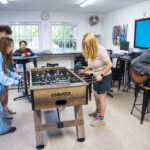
x,y
104,85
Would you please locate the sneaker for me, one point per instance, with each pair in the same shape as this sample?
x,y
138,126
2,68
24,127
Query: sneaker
x,y
11,112
11,130
98,123
8,116
94,115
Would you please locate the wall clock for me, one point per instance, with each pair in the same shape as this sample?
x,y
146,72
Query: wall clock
x,y
44,15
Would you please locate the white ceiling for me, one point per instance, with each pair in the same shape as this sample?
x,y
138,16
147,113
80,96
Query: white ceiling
x,y
99,6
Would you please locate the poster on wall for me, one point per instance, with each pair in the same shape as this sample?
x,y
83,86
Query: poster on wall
x,y
119,34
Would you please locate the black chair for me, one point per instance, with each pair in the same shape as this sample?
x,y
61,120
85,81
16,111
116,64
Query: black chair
x,y
146,96
118,72
129,79
79,62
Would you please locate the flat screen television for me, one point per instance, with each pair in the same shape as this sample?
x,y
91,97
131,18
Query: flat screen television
x,y
142,33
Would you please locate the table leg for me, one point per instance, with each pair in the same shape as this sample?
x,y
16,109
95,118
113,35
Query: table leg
x,y
79,128
124,82
144,105
35,63
38,133
25,84
25,79
90,90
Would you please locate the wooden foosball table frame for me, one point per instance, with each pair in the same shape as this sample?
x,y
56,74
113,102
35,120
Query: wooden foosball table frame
x,y
58,96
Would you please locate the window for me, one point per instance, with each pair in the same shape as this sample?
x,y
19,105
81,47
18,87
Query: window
x,y
27,32
64,38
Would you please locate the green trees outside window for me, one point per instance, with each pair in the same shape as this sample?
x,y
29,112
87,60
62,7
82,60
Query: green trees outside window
x,y
64,38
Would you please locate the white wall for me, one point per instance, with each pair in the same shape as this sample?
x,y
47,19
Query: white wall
x,y
126,15
81,19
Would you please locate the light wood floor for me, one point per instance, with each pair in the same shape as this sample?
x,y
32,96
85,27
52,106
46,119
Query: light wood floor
x,y
121,132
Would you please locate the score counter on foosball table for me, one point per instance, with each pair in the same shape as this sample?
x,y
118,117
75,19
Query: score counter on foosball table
x,y
56,88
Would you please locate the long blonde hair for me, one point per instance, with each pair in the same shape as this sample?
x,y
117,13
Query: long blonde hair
x,y
89,52
5,42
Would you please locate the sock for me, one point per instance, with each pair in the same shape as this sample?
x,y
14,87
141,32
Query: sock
x,y
101,117
97,111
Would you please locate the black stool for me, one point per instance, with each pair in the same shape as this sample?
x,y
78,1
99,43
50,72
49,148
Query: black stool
x,y
146,95
52,64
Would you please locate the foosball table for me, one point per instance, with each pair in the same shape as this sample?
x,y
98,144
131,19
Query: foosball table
x,y
57,88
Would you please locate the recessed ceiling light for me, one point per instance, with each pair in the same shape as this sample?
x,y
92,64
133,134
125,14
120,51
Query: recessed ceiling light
x,y
86,2
4,1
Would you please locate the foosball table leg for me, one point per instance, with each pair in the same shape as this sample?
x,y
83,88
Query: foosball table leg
x,y
38,132
80,127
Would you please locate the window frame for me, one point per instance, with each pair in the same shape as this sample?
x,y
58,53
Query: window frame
x,y
63,24
39,31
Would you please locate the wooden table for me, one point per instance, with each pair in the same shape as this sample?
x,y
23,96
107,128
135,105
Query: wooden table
x,y
57,96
